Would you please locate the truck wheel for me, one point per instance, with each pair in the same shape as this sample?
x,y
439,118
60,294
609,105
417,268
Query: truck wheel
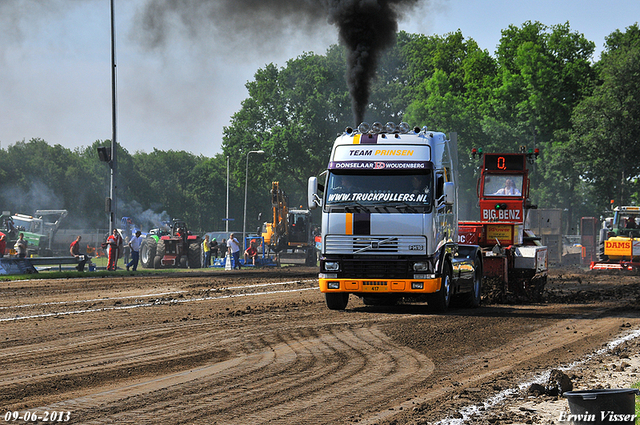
x,y
157,260
148,253
473,297
337,301
195,256
439,301
183,262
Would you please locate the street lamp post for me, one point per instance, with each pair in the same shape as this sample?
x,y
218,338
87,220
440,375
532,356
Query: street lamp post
x,y
246,177
226,221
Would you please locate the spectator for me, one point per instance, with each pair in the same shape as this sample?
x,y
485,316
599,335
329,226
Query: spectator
x,y
234,249
214,248
223,248
127,250
251,252
207,251
21,246
114,242
74,250
3,244
134,245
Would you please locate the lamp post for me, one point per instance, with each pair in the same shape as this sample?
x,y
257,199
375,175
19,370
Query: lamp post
x,y
246,177
226,221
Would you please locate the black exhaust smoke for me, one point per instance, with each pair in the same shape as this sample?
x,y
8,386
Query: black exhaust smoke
x,y
366,27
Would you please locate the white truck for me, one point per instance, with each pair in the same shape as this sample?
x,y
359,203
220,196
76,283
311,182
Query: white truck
x,y
390,222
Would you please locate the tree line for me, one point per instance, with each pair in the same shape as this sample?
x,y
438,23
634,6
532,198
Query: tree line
x,y
541,88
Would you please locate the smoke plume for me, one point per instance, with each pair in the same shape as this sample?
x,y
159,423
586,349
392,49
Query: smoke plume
x,y
366,28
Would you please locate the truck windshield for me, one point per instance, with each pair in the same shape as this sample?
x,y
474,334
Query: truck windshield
x,y
410,192
503,185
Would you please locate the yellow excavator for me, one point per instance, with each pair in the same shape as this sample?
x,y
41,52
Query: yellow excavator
x,y
290,233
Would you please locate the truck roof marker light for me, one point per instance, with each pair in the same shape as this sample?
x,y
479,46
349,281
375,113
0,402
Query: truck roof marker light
x,y
390,127
377,127
416,130
403,127
364,127
348,130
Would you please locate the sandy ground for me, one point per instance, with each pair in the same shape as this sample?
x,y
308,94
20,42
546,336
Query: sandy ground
x,y
261,347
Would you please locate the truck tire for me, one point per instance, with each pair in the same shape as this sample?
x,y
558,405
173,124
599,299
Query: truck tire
x,y
336,301
157,260
148,252
473,298
195,256
439,301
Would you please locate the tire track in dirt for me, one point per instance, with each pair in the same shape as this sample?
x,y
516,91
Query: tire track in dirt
x,y
294,380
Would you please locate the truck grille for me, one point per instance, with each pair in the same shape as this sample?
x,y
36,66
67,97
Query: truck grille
x,y
375,269
376,245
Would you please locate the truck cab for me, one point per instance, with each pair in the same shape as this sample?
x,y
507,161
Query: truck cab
x,y
389,219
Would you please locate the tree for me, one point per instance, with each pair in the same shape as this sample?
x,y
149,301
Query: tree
x,y
606,126
543,72
451,83
292,114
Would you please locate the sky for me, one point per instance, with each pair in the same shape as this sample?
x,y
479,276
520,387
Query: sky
x,y
178,93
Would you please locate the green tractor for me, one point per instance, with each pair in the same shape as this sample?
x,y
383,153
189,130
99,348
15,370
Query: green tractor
x,y
39,229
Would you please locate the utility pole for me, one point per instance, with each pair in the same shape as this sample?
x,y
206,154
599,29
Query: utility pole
x,y
113,163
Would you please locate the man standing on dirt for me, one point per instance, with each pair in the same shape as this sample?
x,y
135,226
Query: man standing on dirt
x,y
234,249
114,241
74,249
134,244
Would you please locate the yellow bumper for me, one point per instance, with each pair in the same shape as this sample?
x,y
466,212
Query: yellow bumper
x,y
381,286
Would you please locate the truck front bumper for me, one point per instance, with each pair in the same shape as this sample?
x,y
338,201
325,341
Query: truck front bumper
x,y
380,286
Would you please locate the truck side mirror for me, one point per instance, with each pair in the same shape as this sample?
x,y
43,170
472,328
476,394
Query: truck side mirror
x,y
449,193
313,200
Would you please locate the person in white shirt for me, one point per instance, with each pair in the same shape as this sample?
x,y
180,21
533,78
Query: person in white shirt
x,y
234,249
135,243
508,189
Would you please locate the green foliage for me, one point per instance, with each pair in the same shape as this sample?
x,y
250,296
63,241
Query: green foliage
x,y
605,140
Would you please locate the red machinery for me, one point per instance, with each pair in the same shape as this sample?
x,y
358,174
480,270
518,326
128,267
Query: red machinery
x,y
512,254
179,248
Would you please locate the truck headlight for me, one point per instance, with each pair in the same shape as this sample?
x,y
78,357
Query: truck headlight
x,y
422,266
333,285
424,276
333,266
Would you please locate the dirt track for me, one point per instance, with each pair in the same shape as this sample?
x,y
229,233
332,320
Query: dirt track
x,y
261,347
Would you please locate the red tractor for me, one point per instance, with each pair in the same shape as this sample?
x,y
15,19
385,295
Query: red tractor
x,y
513,257
179,248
